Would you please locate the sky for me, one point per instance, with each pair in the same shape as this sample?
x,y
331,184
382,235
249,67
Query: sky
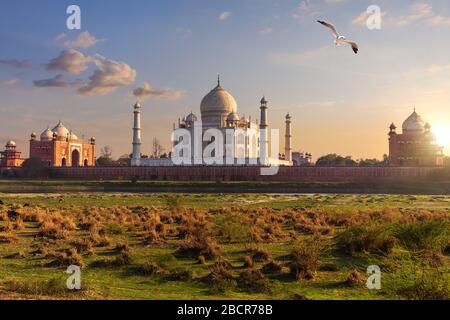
x,y
169,53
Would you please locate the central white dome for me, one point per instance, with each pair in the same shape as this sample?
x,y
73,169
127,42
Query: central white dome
x,y
216,106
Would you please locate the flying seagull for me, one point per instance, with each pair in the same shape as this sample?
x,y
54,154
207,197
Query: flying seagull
x,y
340,40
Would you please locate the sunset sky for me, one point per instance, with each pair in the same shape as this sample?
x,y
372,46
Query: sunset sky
x,y
173,50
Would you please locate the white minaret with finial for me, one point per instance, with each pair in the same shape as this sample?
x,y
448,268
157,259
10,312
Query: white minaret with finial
x,y
135,160
263,134
288,139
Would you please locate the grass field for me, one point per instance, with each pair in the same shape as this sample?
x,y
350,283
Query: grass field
x,y
224,246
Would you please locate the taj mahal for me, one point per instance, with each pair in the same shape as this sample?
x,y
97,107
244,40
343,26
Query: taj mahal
x,y
220,136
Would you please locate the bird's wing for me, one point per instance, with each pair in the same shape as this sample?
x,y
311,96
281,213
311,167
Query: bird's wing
x,y
354,45
330,26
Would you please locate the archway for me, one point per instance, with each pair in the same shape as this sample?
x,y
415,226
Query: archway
x,y
85,162
64,162
75,158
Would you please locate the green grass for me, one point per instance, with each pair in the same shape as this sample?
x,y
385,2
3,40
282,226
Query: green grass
x,y
122,283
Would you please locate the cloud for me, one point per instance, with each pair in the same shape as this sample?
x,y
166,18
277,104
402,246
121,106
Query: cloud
x,y
305,9
224,15
8,82
183,32
108,76
71,61
83,40
300,58
17,63
266,31
57,82
146,91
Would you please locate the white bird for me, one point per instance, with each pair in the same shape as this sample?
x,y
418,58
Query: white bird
x,y
340,40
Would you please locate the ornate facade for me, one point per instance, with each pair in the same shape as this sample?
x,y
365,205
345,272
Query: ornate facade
x,y
60,147
251,140
416,146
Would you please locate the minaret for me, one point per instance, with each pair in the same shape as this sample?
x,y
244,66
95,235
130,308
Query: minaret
x,y
136,135
263,134
287,139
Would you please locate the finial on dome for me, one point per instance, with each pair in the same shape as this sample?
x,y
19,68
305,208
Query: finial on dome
x,y
218,80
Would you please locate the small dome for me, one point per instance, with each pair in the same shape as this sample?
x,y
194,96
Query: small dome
x,y
33,135
11,143
47,135
414,123
233,116
191,117
264,100
73,136
61,131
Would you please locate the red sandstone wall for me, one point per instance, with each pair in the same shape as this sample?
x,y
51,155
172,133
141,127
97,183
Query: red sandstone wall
x,y
245,173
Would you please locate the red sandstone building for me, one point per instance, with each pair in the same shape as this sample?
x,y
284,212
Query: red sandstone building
x,y
60,147
10,157
416,146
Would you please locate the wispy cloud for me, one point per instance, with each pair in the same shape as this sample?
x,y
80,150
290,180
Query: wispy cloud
x,y
265,31
224,15
57,82
16,63
8,82
306,8
83,40
147,91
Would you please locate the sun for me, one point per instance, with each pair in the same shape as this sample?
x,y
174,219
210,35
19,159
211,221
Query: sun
x,y
442,133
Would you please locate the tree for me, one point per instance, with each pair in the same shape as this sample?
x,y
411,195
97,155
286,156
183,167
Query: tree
x,y
34,168
334,160
106,152
157,148
374,162
105,160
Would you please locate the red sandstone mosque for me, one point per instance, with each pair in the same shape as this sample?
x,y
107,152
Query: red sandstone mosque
x,y
60,147
416,146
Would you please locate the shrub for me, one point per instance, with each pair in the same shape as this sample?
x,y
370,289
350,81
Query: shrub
x,y
261,255
248,262
272,267
65,259
219,279
305,258
360,239
180,274
36,287
415,280
253,281
233,228
355,279
426,235
149,269
8,238
193,247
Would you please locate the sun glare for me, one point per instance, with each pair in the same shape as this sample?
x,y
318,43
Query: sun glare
x,y
442,133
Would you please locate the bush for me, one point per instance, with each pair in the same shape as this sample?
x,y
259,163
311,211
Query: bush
x,y
415,280
36,287
219,279
66,259
364,239
305,258
253,281
193,247
149,269
233,228
261,255
424,236
355,279
272,267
